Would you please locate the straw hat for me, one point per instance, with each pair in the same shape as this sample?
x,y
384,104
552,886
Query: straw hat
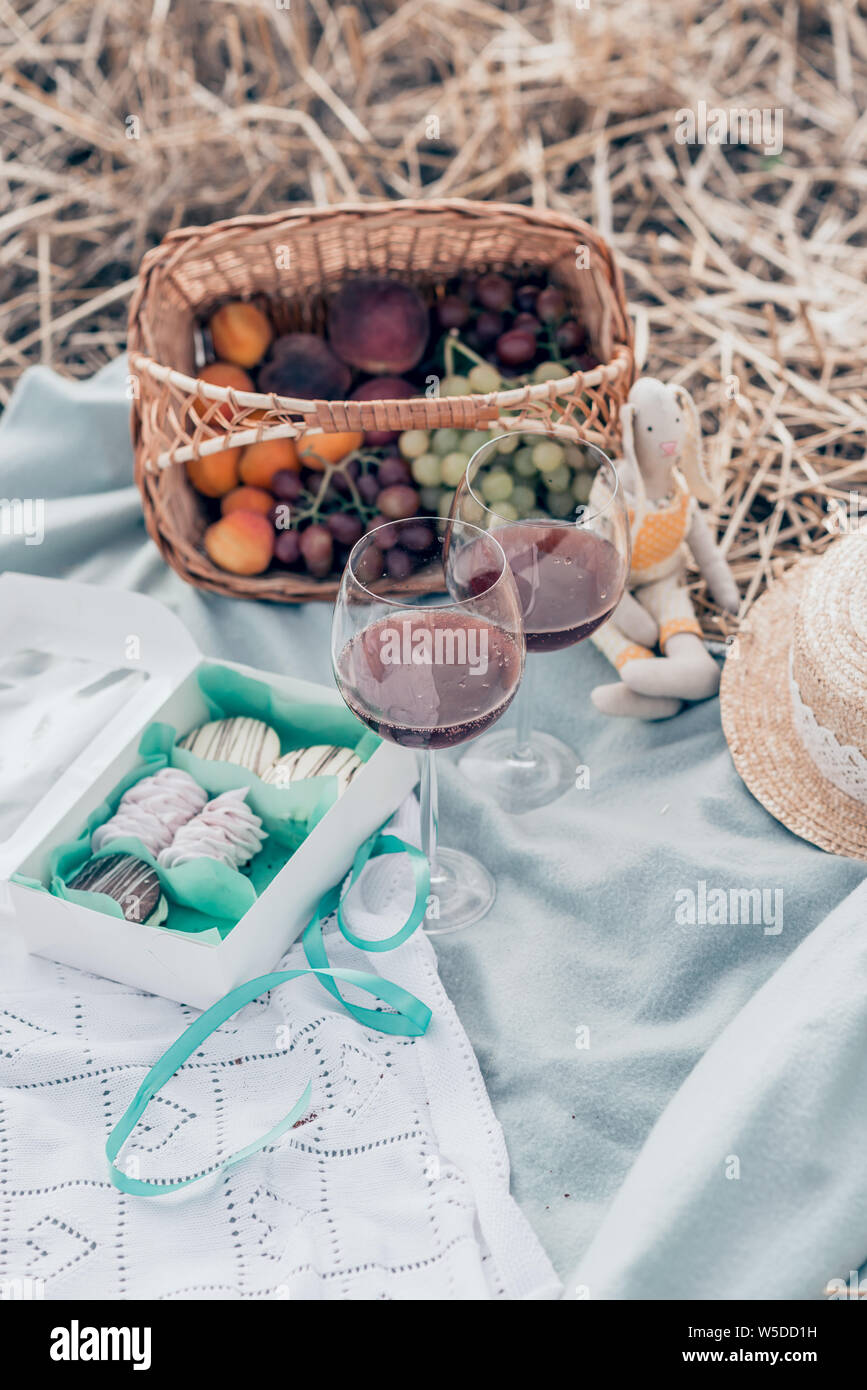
x,y
794,699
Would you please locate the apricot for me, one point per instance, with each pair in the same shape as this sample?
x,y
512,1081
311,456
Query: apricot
x,y
247,499
215,474
315,450
222,374
241,334
259,462
242,542
379,326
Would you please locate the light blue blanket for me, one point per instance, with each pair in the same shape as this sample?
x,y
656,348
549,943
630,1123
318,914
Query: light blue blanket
x,y
588,993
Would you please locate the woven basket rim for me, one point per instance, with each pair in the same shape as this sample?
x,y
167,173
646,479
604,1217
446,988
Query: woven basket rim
x,y
257,400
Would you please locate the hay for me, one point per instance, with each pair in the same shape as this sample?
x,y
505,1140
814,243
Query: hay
x,y
746,273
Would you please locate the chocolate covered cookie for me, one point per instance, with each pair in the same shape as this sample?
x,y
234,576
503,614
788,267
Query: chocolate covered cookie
x,y
133,884
322,760
249,743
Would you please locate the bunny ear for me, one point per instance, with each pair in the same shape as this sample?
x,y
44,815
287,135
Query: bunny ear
x,y
691,465
627,433
627,427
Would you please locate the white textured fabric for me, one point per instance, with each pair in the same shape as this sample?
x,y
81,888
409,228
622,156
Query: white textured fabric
x,y
395,1185
841,764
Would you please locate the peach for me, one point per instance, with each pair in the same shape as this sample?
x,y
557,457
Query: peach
x,y
247,499
379,326
242,542
215,474
241,334
259,462
315,450
222,374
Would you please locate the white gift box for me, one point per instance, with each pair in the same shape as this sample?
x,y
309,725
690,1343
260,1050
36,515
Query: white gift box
x,y
83,671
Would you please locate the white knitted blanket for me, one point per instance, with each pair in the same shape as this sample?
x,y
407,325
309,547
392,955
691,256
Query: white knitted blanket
x,y
396,1184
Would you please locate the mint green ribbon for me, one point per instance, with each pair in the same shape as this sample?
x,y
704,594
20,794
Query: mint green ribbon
x,y
410,1019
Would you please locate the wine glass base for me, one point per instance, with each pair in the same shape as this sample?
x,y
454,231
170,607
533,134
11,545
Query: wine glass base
x,y
520,783
461,892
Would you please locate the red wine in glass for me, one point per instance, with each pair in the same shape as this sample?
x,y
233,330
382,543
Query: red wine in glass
x,y
459,676
569,581
562,520
428,670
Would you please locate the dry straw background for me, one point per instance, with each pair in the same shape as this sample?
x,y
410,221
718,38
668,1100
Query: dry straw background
x,y
746,274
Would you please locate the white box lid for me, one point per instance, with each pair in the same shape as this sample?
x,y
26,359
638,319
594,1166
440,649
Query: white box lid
x,y
82,669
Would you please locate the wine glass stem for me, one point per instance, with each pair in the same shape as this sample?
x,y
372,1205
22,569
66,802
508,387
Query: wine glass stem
x,y
429,810
526,703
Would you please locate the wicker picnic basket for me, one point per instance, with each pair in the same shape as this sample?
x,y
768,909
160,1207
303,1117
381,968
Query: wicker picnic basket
x,y
196,268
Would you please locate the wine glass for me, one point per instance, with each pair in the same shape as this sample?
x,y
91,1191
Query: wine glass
x,y
558,510
429,672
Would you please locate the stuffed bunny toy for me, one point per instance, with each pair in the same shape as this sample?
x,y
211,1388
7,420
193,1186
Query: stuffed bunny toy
x,y
663,478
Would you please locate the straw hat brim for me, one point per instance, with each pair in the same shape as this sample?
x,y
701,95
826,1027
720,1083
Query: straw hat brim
x,y
759,727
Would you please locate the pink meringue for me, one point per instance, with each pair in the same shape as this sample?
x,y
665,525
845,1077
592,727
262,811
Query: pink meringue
x,y
227,829
153,810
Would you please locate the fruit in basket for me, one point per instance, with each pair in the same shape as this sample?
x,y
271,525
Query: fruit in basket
x,y
399,564
525,298
529,323
247,499
454,466
368,488
516,347
383,388
550,371
398,502
415,538
221,374
427,470
241,334
495,292
259,462
485,378
242,543
317,548
455,386
287,547
551,304
489,326
317,450
378,326
392,471
215,474
302,365
527,331
569,336
369,567
286,485
345,527
453,311
387,535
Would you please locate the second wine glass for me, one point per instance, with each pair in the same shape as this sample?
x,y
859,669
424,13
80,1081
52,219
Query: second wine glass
x,y
559,513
